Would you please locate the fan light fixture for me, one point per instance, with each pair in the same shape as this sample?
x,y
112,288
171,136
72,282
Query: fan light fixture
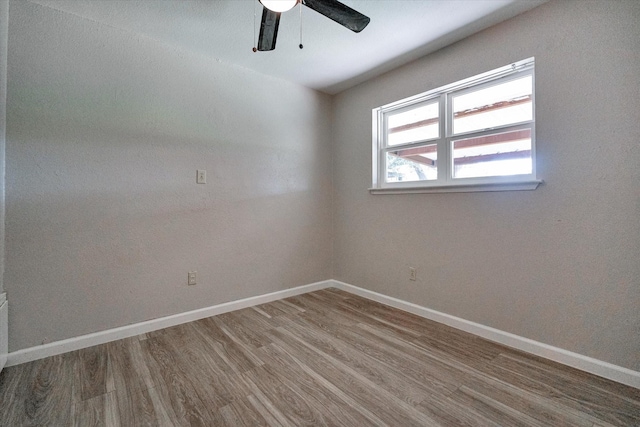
x,y
332,9
279,5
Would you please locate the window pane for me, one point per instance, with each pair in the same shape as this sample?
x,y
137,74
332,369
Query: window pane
x,y
507,153
416,124
413,164
494,106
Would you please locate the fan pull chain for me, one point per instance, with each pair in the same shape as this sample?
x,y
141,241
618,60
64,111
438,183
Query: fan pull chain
x,y
300,6
255,42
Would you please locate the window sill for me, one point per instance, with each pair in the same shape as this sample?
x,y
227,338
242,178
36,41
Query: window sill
x,y
461,188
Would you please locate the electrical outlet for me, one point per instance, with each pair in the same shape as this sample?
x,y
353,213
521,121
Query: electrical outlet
x,y
201,176
412,273
191,278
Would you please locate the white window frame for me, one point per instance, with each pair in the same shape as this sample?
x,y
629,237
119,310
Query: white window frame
x,y
445,181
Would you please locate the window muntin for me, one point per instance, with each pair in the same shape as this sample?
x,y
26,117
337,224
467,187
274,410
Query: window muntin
x,y
481,128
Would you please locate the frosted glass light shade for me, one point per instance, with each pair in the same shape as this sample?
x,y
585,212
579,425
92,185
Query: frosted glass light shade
x,y
279,5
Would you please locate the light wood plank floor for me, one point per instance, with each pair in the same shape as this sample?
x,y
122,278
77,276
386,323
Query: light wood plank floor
x,y
324,358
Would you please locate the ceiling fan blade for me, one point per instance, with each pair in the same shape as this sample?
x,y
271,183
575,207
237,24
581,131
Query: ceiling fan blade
x,y
340,13
268,29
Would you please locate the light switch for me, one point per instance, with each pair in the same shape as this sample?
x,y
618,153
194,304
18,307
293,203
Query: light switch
x,y
201,176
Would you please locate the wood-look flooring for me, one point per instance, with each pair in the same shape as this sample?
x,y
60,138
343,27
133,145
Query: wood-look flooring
x,y
326,358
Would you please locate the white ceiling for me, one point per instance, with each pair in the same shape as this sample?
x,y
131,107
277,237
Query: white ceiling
x,y
333,58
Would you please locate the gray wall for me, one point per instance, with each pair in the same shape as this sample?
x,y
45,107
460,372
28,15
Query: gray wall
x,y
560,264
105,131
4,29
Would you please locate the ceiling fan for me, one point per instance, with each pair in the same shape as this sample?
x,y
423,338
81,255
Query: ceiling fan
x,y
332,9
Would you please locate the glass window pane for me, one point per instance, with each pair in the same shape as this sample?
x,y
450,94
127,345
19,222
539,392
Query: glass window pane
x,y
494,106
412,164
417,124
507,153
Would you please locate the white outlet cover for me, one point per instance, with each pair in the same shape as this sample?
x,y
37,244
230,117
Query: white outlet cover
x,y
191,278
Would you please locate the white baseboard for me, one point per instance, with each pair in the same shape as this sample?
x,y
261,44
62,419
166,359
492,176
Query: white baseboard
x,y
84,341
565,357
575,360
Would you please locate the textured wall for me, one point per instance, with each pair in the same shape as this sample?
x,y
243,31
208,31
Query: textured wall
x,y
4,29
560,264
105,131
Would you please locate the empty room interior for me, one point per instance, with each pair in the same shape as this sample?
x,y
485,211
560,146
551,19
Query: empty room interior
x,y
401,213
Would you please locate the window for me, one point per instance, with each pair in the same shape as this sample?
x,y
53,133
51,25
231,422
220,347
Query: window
x,y
474,135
